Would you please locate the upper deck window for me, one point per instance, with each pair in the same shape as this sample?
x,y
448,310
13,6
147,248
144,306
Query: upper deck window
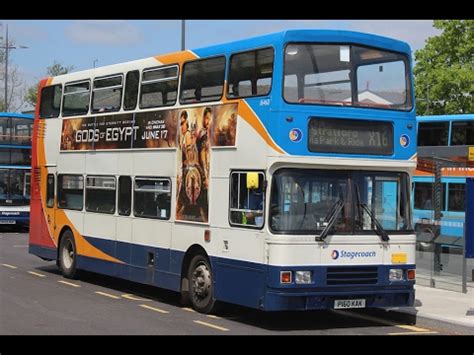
x,y
131,90
50,101
76,98
462,133
159,87
202,80
433,133
107,94
346,75
251,73
16,131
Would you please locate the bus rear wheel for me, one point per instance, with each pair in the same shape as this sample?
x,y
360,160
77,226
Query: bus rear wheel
x,y
68,256
201,288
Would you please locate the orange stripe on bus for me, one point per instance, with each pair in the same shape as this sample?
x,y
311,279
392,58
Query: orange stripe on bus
x,y
248,115
176,57
84,248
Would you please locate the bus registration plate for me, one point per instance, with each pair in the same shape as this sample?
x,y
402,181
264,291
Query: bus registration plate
x,y
360,303
5,221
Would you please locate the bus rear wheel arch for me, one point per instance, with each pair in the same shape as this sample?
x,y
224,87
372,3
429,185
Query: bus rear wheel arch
x,y
67,255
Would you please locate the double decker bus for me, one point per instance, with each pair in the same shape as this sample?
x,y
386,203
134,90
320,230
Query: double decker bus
x,y
445,138
271,172
15,169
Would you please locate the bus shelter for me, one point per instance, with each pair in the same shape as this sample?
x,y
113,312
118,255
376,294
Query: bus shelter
x,y
445,239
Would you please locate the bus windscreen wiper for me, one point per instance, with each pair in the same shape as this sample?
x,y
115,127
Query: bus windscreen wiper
x,y
378,227
332,217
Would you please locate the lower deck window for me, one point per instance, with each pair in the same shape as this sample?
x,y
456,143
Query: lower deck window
x,y
100,194
70,191
152,198
246,204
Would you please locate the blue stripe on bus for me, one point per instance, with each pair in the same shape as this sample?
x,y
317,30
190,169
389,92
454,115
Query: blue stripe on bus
x,y
16,115
246,283
232,275
15,146
43,252
300,114
25,167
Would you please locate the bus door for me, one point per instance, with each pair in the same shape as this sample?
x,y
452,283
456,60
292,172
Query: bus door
x,y
50,198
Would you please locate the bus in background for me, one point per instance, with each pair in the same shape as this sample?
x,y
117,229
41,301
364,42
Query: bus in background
x,y
15,168
272,172
446,139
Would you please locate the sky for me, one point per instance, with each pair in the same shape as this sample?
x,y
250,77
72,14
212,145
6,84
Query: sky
x,y
83,43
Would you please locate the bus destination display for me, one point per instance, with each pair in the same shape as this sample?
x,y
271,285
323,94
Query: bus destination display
x,y
350,136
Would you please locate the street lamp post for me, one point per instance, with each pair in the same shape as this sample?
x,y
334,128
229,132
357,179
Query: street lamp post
x,y
7,48
183,34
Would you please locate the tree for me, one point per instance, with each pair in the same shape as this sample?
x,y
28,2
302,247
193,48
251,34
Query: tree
x,y
444,70
15,84
53,70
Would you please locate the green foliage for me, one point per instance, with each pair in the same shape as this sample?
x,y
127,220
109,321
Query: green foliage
x,y
53,70
444,70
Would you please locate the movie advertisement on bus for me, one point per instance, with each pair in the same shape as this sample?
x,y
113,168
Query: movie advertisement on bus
x,y
200,129
155,129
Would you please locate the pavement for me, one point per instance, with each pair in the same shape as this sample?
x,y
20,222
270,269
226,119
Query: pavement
x,y
455,308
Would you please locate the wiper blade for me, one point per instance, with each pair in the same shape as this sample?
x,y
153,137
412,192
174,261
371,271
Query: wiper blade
x,y
332,217
378,227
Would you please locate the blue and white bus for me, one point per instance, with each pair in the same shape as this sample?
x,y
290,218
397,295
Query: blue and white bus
x,y
15,168
272,172
448,138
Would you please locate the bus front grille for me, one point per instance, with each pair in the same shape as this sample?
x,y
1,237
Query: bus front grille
x,y
351,275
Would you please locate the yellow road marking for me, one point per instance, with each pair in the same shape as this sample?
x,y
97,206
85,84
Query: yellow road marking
x,y
213,316
154,308
187,309
411,327
69,283
211,325
413,333
390,323
132,297
36,274
107,295
10,266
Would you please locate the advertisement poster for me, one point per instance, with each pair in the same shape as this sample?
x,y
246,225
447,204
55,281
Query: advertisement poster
x,y
125,131
193,131
200,129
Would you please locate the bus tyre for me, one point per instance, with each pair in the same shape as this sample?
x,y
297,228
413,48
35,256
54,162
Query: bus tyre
x,y
68,255
201,288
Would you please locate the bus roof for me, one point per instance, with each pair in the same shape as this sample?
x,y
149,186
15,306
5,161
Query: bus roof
x,y
17,115
308,35
296,35
439,118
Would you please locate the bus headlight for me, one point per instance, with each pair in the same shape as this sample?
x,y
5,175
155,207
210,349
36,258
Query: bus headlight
x,y
303,277
395,275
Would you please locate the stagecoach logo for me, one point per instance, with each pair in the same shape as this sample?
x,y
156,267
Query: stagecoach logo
x,y
404,140
296,135
352,254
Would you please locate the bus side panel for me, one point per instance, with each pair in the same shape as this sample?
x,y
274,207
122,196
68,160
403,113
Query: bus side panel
x,y
40,242
239,282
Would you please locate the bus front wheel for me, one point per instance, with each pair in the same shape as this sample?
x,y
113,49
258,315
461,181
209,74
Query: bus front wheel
x,y
201,288
68,255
